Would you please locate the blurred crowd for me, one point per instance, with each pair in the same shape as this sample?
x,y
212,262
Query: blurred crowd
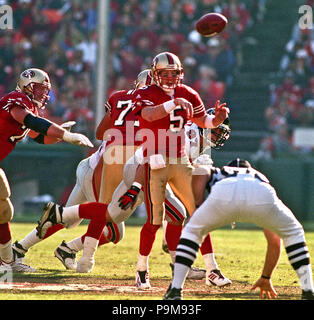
x,y
60,36
292,96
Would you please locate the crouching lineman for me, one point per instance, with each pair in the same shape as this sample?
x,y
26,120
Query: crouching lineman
x,y
19,117
241,193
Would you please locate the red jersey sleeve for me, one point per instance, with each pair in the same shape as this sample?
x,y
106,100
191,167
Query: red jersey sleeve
x,y
19,99
196,100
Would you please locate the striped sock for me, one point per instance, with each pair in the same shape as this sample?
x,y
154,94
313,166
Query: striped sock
x,y
299,258
185,257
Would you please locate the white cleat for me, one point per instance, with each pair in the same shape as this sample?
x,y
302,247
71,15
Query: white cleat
x,y
142,280
67,256
85,265
216,278
16,267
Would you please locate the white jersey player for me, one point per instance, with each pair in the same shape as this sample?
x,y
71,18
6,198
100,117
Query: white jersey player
x,y
241,193
82,192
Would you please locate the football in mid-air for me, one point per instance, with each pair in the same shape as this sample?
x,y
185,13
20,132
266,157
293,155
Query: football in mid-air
x,y
211,24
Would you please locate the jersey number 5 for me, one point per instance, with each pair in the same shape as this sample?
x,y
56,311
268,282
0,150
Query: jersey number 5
x,y
176,121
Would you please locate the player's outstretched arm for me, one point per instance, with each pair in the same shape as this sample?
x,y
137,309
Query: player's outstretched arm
x,y
40,138
48,128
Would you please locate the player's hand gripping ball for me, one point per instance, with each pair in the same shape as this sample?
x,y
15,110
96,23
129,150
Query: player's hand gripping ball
x,y
211,24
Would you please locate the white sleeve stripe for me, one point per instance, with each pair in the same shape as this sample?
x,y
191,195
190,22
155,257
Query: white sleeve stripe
x,y
199,109
12,102
108,107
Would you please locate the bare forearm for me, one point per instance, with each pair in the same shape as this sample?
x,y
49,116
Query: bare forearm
x,y
154,113
272,254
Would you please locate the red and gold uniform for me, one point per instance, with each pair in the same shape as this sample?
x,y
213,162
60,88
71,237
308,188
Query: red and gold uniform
x,y
121,143
169,141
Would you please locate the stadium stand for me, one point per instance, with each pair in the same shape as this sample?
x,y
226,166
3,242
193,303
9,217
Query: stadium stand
x,y
61,37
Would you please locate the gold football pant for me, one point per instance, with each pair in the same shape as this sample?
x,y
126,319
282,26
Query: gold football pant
x,y
114,159
6,207
179,177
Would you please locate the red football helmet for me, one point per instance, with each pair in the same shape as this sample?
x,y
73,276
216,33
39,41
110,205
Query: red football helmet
x,y
167,70
36,84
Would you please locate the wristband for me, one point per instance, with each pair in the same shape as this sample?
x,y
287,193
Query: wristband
x,y
208,124
137,185
265,277
169,106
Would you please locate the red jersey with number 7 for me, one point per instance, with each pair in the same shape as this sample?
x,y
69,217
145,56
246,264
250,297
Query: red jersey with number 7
x,y
168,132
124,124
12,131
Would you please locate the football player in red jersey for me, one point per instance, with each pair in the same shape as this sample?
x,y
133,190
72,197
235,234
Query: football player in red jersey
x,y
164,108
119,127
18,118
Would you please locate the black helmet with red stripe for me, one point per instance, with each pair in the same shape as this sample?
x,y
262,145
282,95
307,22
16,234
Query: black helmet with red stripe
x,y
216,137
167,70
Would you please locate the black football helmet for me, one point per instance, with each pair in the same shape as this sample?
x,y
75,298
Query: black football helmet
x,y
239,163
216,137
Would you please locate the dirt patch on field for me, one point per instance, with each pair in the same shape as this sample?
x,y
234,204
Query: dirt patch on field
x,y
194,289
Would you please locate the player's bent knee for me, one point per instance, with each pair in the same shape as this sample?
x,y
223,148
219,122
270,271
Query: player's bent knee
x,y
6,211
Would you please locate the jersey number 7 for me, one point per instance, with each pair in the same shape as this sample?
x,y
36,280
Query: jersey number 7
x,y
126,108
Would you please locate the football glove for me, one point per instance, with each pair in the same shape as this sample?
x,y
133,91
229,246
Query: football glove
x,y
129,199
77,139
68,125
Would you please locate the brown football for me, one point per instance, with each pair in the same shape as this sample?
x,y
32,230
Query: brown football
x,y
211,24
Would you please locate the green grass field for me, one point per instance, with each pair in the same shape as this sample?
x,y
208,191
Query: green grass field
x,y
239,253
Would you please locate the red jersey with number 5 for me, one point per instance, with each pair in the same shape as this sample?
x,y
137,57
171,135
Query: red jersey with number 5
x,y
12,131
168,132
124,124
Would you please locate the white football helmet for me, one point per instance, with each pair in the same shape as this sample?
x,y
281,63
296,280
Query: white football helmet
x,y
144,78
36,84
167,61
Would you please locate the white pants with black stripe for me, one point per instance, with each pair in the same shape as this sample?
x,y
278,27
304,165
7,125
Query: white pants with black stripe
x,y
244,199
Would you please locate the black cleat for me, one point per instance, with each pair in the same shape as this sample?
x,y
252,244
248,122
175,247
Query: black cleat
x,y
173,294
307,295
51,216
